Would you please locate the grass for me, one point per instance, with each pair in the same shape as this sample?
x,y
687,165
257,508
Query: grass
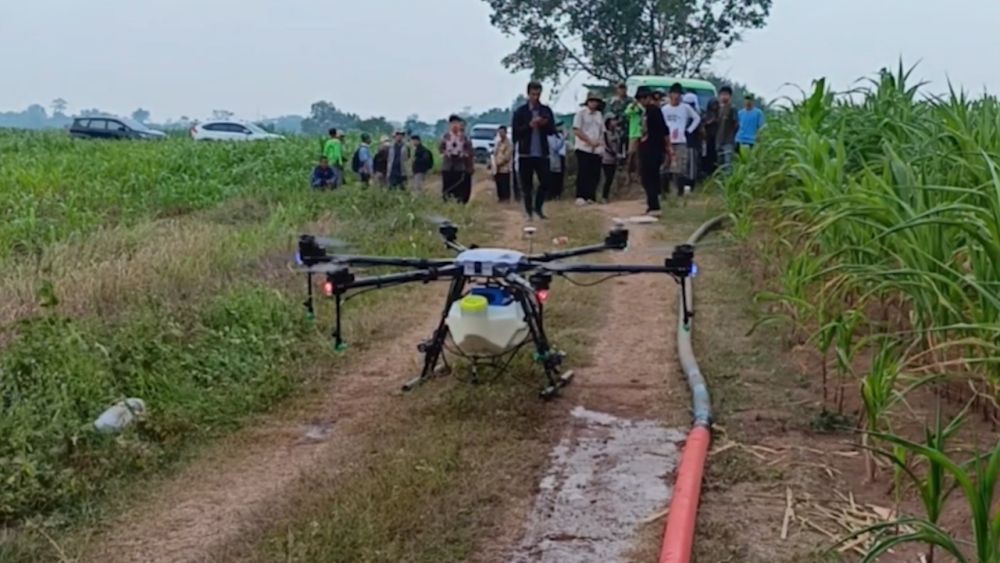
x,y
161,273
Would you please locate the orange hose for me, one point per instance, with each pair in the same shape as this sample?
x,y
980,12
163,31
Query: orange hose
x,y
678,538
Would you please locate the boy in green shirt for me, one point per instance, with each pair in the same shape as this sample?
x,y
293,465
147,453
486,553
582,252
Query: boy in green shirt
x,y
333,150
634,114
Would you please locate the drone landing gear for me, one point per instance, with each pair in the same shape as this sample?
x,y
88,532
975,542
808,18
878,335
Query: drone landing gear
x,y
432,349
550,358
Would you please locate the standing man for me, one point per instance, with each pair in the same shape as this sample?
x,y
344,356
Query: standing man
x,y
362,161
396,167
751,119
682,120
503,157
333,150
380,163
456,150
654,146
423,162
532,124
588,128
729,124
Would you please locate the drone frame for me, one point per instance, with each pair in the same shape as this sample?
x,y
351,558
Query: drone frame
x,y
527,280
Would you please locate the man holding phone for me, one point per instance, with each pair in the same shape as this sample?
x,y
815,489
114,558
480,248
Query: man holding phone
x,y
531,125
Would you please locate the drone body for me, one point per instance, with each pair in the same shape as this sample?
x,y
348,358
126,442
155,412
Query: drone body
x,y
495,303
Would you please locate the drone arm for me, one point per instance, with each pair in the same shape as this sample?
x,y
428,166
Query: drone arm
x,y
421,263
614,269
389,280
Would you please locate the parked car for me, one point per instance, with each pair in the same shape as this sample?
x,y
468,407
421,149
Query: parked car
x,y
230,131
107,127
484,140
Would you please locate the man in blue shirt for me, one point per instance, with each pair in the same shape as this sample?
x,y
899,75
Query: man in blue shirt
x,y
324,177
751,119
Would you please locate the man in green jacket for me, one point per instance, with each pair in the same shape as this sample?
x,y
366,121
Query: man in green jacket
x,y
333,150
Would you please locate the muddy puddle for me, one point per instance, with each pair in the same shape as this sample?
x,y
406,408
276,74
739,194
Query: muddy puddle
x,y
606,476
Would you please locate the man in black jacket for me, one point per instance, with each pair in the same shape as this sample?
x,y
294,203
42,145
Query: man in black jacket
x,y
532,124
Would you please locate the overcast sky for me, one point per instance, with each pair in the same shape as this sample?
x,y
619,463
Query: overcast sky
x,y
430,57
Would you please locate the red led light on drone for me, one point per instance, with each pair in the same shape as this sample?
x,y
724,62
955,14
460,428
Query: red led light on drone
x,y
542,295
328,289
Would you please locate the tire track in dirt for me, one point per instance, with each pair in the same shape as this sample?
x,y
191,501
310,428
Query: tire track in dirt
x,y
233,491
611,470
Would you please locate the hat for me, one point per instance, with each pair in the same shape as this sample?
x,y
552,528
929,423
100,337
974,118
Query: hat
x,y
592,95
643,92
676,88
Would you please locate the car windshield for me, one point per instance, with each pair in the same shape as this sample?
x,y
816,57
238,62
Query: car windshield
x,y
256,128
135,125
484,133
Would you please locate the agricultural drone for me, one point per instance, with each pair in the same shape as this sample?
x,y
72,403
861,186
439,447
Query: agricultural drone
x,y
495,301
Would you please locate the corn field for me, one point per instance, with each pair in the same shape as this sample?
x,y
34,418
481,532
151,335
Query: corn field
x,y
878,211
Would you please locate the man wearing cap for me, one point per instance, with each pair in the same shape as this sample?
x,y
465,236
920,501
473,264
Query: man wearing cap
x,y
751,119
653,147
634,116
531,126
456,154
682,120
588,130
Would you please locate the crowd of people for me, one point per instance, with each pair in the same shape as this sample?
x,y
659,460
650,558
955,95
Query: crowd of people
x,y
664,138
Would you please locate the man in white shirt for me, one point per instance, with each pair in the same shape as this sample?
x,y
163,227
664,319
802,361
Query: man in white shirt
x,y
588,129
682,119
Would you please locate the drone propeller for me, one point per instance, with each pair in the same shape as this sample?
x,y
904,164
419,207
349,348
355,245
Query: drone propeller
x,y
437,220
668,249
333,243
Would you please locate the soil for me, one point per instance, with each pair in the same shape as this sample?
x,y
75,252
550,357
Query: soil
x,y
610,472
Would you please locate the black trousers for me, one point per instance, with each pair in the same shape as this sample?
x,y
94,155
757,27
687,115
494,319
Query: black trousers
x,y
588,175
503,186
649,173
609,179
529,167
453,185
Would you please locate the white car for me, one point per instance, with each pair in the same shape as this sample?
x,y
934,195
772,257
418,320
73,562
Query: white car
x,y
484,140
230,131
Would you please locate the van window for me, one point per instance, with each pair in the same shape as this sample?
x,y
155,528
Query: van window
x,y
484,133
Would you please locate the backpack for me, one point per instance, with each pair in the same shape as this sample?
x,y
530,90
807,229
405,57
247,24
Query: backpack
x,y
424,160
356,163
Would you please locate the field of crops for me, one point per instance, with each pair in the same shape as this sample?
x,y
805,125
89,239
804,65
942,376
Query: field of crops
x,y
879,215
157,270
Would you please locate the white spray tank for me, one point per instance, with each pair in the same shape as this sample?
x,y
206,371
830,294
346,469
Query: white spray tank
x,y
122,414
481,328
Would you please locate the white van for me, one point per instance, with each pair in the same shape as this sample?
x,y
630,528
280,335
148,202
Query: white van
x,y
484,140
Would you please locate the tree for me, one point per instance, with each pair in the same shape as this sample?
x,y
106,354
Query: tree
x,y
92,112
324,115
613,39
140,115
59,106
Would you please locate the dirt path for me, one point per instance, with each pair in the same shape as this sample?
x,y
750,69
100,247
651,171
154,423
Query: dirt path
x,y
232,491
610,471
